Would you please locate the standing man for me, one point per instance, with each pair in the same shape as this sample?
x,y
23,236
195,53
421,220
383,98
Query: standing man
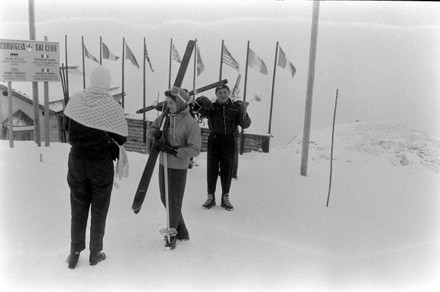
x,y
224,117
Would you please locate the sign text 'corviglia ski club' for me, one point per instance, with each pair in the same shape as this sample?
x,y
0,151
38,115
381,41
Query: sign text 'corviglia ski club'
x,y
29,61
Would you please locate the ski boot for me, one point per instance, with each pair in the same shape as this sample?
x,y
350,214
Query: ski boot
x,y
72,259
210,202
226,204
96,257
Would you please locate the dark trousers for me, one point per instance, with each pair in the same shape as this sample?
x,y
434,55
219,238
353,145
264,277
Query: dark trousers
x,y
221,152
176,190
90,183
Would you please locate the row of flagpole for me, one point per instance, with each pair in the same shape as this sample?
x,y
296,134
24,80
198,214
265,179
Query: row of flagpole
x,y
252,60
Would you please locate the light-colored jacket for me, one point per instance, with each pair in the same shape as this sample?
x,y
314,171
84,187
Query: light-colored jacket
x,y
183,133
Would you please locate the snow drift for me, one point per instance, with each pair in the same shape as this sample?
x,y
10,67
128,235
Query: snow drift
x,y
380,231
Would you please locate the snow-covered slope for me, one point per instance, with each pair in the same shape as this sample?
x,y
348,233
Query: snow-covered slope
x,y
379,233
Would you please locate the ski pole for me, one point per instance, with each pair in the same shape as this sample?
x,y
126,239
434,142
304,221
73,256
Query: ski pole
x,y
167,199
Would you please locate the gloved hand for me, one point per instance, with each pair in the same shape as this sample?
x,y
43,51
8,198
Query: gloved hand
x,y
168,149
242,105
157,134
204,102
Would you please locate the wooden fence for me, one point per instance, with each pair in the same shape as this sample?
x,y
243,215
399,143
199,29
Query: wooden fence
x,y
135,141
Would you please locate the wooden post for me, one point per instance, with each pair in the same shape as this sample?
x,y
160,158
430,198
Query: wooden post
x,y
331,151
10,111
310,82
46,111
34,84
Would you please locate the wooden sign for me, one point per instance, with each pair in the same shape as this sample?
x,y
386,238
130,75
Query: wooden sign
x,y
29,61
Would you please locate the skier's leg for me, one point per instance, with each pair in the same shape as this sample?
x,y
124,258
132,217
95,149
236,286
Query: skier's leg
x,y
177,182
79,203
227,164
213,160
102,183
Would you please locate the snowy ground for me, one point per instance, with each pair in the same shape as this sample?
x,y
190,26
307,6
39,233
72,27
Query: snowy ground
x,y
379,233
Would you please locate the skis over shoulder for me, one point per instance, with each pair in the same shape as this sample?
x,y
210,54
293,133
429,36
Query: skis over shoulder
x,y
152,158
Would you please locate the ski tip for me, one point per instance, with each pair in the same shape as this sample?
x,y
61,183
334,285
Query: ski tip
x,y
136,211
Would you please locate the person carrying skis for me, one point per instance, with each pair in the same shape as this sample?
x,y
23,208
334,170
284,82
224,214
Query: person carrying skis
x,y
95,120
180,139
224,117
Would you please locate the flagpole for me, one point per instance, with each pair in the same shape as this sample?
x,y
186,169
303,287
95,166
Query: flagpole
x,y
221,61
100,50
273,88
123,61
169,69
144,138
309,94
246,72
67,70
195,67
244,96
84,63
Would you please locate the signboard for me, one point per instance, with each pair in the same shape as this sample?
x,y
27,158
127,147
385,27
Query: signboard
x,y
29,61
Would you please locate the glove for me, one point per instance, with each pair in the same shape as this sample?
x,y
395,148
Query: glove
x,y
157,134
168,149
204,102
242,105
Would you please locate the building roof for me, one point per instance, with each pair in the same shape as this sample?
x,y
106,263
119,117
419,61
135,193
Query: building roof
x,y
54,107
19,120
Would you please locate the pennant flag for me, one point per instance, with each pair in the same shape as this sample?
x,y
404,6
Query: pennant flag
x,y
176,56
200,66
107,54
256,62
283,61
129,55
88,55
229,60
148,58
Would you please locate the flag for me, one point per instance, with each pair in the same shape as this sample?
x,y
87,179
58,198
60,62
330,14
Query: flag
x,y
107,54
200,66
148,58
176,56
283,61
129,55
229,60
256,62
88,55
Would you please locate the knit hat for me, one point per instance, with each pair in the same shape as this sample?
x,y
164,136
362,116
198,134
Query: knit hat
x,y
221,86
179,95
101,78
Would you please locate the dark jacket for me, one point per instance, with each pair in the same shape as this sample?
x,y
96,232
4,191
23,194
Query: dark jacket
x,y
225,118
91,143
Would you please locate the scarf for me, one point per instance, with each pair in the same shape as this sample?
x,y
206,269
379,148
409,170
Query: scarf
x,y
96,109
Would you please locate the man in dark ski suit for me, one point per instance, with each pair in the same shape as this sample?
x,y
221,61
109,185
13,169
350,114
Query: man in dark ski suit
x,y
224,117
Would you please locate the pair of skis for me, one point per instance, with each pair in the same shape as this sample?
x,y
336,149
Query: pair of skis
x,y
152,158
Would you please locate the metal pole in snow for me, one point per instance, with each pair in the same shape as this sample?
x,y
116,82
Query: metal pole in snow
x,y
331,151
